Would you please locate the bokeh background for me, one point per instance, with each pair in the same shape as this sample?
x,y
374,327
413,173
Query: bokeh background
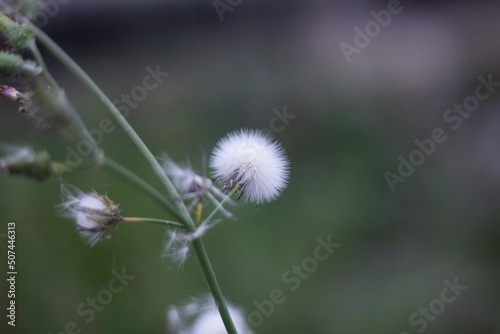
x,y
352,121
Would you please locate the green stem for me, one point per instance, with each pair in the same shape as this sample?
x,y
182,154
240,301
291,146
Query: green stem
x,y
206,265
227,198
93,88
141,184
152,220
188,221
75,119
45,70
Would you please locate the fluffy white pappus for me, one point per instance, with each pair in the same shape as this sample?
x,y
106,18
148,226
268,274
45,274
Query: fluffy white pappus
x,y
177,245
94,215
185,179
201,316
253,160
190,185
176,248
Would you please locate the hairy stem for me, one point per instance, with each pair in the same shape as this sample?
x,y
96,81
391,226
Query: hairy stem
x,y
187,220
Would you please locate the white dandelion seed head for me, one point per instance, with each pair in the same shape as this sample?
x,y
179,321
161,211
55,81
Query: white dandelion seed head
x,y
94,215
201,316
253,160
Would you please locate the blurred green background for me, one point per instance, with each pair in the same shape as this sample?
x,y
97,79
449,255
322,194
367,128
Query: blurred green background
x,y
352,121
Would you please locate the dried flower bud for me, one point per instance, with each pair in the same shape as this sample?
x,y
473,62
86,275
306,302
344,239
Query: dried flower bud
x,y
95,215
13,64
19,36
10,93
24,99
25,161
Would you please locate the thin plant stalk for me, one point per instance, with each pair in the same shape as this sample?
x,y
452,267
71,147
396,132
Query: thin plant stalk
x,y
76,121
74,68
227,198
152,220
128,175
187,220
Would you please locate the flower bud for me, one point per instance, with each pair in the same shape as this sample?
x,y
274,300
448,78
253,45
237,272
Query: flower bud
x,y
19,36
9,93
25,161
13,64
24,99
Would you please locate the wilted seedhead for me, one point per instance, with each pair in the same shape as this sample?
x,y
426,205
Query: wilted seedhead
x,y
95,215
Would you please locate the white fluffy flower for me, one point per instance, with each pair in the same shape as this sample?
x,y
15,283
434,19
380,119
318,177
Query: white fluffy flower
x,y
202,317
253,161
95,215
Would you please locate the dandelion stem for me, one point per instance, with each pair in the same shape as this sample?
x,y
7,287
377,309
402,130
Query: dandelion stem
x,y
214,285
152,220
93,88
187,220
141,184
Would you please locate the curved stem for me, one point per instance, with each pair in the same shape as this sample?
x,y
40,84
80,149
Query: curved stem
x,y
152,220
187,220
45,71
141,184
93,88
76,120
